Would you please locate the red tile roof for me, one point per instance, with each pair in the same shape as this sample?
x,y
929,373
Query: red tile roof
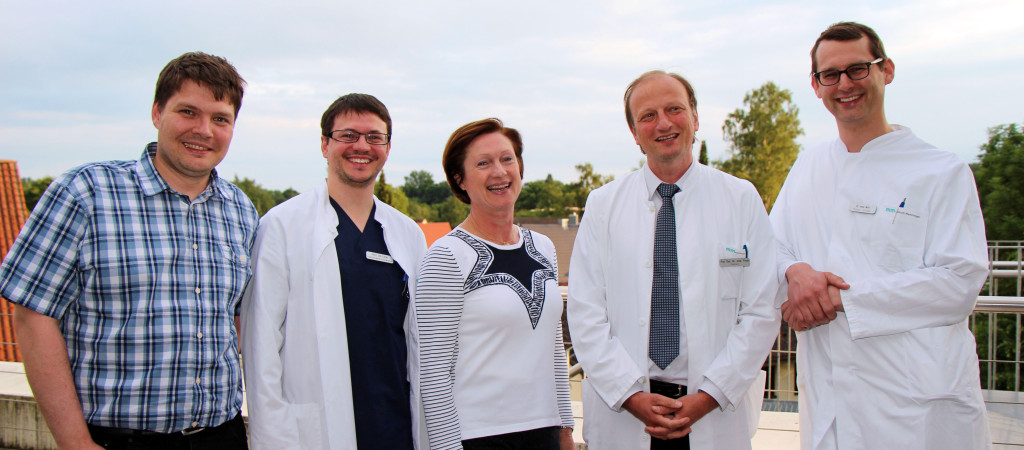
x,y
12,216
434,230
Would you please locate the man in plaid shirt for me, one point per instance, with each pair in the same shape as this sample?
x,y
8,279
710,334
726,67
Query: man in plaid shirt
x,y
127,276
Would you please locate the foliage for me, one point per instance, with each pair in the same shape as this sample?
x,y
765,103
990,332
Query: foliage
x,y
542,198
763,140
262,199
33,189
703,158
452,211
1000,179
420,186
391,195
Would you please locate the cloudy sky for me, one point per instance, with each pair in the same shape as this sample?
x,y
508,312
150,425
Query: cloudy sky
x,y
77,78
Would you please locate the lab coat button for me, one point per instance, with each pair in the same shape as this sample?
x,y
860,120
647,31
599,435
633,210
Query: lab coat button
x,y
643,380
648,264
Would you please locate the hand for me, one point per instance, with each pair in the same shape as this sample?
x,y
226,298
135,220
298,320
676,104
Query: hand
x,y
694,407
659,414
813,297
565,441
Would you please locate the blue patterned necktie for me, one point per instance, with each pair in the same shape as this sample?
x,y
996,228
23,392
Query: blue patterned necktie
x,y
664,342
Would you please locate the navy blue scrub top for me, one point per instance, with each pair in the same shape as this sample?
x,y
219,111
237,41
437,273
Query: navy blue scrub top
x,y
376,297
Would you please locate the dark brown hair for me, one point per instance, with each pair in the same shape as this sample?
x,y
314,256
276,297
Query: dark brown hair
x,y
212,72
354,103
455,151
848,31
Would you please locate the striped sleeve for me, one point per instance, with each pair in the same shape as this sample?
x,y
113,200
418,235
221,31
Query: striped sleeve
x,y
562,370
439,301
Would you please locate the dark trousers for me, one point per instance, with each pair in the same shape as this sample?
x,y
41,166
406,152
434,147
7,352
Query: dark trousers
x,y
227,436
538,439
671,391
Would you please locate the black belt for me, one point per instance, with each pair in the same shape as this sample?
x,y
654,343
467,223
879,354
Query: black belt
x,y
670,390
112,431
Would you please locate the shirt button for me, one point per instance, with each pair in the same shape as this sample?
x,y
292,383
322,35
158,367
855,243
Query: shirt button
x,y
648,264
199,335
198,291
195,424
241,258
199,380
643,380
195,247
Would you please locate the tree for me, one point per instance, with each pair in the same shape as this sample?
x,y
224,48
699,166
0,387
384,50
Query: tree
x,y
33,189
542,198
261,198
588,181
763,140
420,186
1000,179
391,195
703,158
452,210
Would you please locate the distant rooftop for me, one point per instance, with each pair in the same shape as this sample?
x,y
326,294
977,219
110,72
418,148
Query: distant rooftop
x,y
12,216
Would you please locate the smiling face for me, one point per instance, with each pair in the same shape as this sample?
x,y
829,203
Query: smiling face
x,y
355,164
491,173
854,103
664,123
194,130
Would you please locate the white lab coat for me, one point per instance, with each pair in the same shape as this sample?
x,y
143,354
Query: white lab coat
x,y
729,312
899,368
294,348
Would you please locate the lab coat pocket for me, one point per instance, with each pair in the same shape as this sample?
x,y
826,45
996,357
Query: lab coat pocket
x,y
307,424
732,260
897,238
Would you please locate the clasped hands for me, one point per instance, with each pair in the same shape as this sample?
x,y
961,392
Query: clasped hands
x,y
813,297
667,418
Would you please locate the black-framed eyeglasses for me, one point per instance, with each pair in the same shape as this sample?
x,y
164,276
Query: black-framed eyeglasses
x,y
350,137
857,71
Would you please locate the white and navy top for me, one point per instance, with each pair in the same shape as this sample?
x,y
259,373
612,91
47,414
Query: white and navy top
x,y
491,354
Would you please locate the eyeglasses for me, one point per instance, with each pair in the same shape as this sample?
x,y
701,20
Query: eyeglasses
x,y
351,137
857,71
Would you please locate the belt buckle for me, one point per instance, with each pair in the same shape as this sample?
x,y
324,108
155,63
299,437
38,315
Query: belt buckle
x,y
191,431
679,390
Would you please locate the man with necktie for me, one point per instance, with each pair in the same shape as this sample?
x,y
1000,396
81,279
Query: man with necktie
x,y
671,289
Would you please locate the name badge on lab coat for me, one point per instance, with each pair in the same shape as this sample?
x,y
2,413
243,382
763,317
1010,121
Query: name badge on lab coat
x,y
734,262
379,257
864,209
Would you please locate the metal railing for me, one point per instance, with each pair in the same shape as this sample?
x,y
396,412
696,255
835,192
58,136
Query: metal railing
x,y
998,324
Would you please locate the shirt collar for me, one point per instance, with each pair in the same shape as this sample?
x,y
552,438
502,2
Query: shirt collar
x,y
651,181
152,183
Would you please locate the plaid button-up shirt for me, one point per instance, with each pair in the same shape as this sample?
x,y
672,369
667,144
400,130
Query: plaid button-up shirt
x,y
145,285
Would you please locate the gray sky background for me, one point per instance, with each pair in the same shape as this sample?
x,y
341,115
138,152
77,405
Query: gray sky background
x,y
77,78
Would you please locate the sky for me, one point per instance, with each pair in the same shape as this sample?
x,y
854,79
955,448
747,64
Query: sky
x,y
77,78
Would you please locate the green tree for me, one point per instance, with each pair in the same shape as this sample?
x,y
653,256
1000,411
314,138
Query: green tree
x,y
261,198
543,198
420,186
762,140
703,158
999,175
588,181
452,211
391,195
33,189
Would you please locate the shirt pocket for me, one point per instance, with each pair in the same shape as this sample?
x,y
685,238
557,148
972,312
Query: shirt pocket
x,y
234,268
896,239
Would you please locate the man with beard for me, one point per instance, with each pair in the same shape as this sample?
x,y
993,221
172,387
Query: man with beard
x,y
327,342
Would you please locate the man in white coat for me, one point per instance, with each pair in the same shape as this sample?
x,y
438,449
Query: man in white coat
x,y
326,336
881,256
723,313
